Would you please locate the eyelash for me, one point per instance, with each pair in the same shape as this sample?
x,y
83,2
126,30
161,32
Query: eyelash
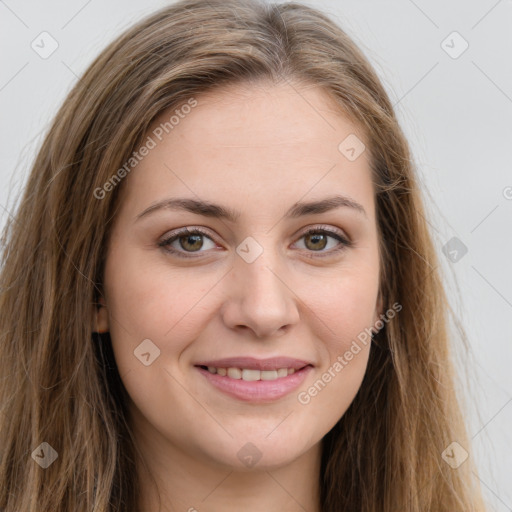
x,y
165,243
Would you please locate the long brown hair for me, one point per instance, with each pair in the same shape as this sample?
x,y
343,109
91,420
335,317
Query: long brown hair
x,y
62,388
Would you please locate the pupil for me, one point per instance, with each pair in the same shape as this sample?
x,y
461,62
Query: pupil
x,y
316,238
192,237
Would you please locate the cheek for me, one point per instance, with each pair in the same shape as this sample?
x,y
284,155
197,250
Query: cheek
x,y
345,314
346,304
345,346
150,301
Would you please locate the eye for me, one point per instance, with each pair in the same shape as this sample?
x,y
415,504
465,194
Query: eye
x,y
188,240
185,242
317,239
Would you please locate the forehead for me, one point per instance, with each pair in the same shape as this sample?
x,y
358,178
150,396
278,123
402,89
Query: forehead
x,y
262,114
253,142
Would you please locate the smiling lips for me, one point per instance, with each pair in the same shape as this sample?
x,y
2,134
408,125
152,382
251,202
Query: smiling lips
x,y
250,369
256,380
251,375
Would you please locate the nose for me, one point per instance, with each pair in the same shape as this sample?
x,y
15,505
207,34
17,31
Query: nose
x,y
259,298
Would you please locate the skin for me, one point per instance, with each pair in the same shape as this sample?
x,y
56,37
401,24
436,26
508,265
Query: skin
x,y
259,149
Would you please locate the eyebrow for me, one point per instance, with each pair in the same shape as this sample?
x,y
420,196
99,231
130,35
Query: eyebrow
x,y
207,209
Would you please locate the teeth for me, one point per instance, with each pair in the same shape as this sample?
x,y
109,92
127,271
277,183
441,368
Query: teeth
x,y
235,373
251,375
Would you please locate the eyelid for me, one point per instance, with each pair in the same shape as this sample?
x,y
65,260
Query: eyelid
x,y
329,229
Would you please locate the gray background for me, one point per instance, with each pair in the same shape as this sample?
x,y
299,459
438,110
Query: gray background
x,y
456,113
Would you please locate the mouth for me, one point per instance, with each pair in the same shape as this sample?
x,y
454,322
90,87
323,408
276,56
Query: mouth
x,y
253,380
251,375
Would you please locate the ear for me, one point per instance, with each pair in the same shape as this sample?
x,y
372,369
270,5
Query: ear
x,y
100,317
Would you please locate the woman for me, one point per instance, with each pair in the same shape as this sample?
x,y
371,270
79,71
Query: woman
x,y
219,291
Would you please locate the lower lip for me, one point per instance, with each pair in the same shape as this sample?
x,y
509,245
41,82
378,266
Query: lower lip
x,y
258,390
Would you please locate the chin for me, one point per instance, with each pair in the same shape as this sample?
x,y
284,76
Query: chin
x,y
259,454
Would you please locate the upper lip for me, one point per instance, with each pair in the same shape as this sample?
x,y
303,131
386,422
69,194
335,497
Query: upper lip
x,y
251,363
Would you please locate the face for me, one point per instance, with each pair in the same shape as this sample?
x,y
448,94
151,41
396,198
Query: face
x,y
261,287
